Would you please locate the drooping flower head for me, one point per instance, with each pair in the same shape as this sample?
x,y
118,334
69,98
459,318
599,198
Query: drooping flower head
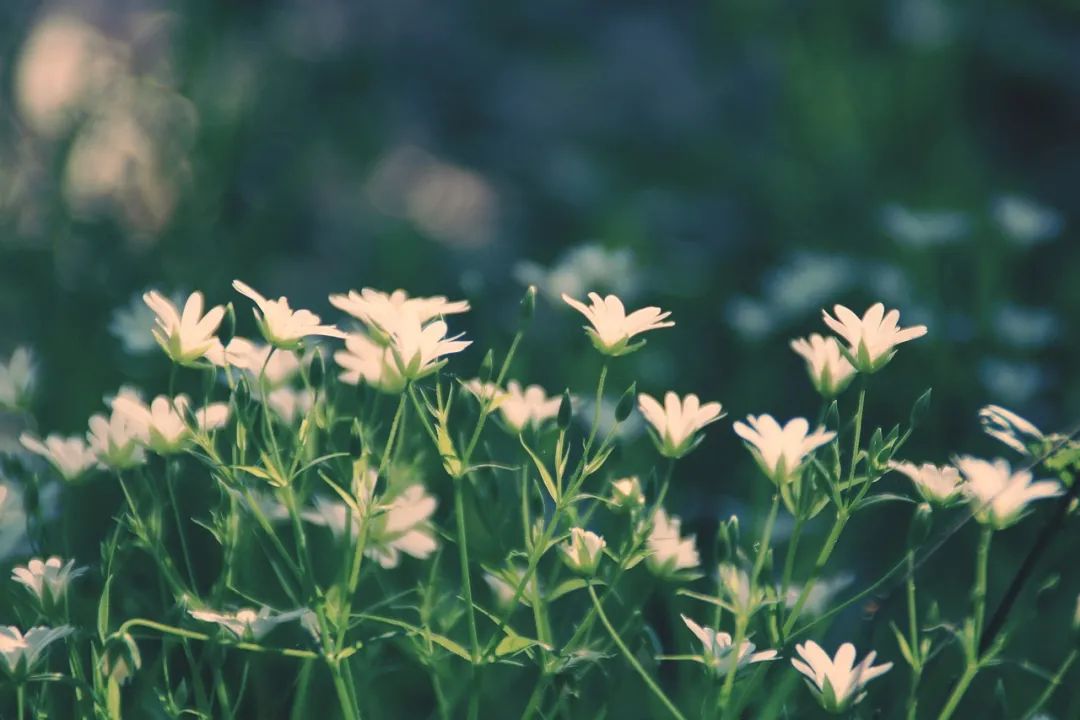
x,y
676,423
612,329
829,370
47,580
22,652
364,360
188,336
417,348
872,339
938,485
17,378
781,450
162,426
582,553
69,456
282,326
999,496
669,552
837,683
527,407
1011,429
247,623
719,652
382,312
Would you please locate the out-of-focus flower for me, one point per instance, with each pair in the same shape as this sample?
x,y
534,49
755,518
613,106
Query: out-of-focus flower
x,y
583,267
719,651
114,440
677,422
383,311
819,599
781,450
121,658
161,426
12,519
1025,222
486,392
1011,429
48,580
262,363
17,378
1013,381
504,584
999,496
282,326
829,370
582,553
807,280
69,456
626,494
290,403
528,407
735,585
669,552
873,338
753,319
134,324
937,485
837,683
417,348
612,328
21,652
188,336
923,229
247,623
1027,328
364,360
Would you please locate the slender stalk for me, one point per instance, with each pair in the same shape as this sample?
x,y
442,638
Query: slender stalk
x,y
858,432
913,640
384,461
20,699
819,565
170,479
789,557
1054,684
649,681
958,692
463,558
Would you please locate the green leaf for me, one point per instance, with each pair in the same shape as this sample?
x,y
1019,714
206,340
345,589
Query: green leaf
x,y
902,642
545,476
879,498
103,610
568,586
513,644
440,640
918,410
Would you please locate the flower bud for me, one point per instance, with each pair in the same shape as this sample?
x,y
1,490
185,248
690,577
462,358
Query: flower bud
x,y
528,307
1076,620
921,522
121,658
626,403
317,370
566,411
918,410
487,365
227,329
583,551
241,393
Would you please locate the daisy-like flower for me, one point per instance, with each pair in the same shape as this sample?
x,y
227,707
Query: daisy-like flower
x,y
21,652
282,326
161,426
17,377
829,370
247,623
938,485
872,339
114,440
612,328
781,450
626,494
669,552
1011,429
188,336
719,652
838,682
486,392
263,363
48,580
528,407
290,403
367,361
582,553
417,348
676,423
999,496
69,456
381,312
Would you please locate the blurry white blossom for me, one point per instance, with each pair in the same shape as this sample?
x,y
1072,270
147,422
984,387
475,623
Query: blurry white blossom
x,y
926,228
47,580
669,551
780,450
364,360
69,456
12,519
282,326
485,392
829,370
1025,222
382,312
837,683
581,268
1027,328
611,328
677,422
247,623
290,403
719,652
583,551
134,324
162,425
115,440
1011,429
17,377
22,652
820,597
527,407
1000,496
872,339
938,485
188,336
1013,381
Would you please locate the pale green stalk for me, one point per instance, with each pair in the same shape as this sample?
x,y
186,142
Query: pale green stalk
x,y
1054,684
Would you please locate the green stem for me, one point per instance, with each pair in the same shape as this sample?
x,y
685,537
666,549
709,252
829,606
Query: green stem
x,y
170,478
913,640
1054,684
20,695
596,410
982,561
819,565
789,557
486,403
203,637
858,433
384,461
463,558
958,692
649,681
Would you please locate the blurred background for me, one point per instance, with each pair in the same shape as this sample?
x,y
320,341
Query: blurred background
x,y
743,164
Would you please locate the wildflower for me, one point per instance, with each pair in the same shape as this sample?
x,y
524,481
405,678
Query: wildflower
x,y
246,623
17,378
582,553
626,493
528,407
290,403
612,328
486,392
735,584
69,456
998,495
134,324
114,440
47,580
718,649
184,337
282,326
162,426
121,658
937,485
1011,429
263,363
417,348
364,359
382,312
21,652
819,599
780,451
12,519
829,370
872,339
677,422
1026,222
838,682
504,585
669,552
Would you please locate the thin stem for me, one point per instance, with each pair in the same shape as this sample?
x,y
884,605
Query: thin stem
x,y
384,461
170,478
486,403
819,565
858,432
596,410
982,560
1054,684
649,681
789,557
958,692
20,695
913,641
463,558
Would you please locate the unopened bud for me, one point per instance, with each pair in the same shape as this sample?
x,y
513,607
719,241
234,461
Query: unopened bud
x,y
626,403
317,370
566,411
528,307
921,521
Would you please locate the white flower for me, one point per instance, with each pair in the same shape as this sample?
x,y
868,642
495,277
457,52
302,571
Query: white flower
x,y
999,496
669,552
49,579
528,407
367,361
1026,222
290,403
504,585
70,456
184,337
485,392
17,378
583,552
114,440
383,311
21,652
937,485
780,451
735,583
417,348
262,363
819,599
12,519
677,422
1010,428
829,370
246,623
612,328
282,326
133,324
718,649
873,338
837,683
162,426
626,493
